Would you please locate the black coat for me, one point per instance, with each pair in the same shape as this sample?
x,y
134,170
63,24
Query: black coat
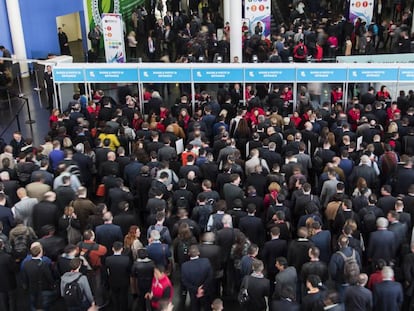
x,y
8,272
44,213
253,228
196,273
358,298
118,268
258,289
271,250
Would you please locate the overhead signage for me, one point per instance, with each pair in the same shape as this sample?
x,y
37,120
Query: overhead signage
x,y
269,75
112,75
216,75
73,75
372,74
161,75
321,75
406,75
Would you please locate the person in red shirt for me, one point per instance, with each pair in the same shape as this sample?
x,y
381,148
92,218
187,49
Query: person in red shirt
x,y
296,119
287,94
383,94
54,117
161,288
336,95
354,114
392,111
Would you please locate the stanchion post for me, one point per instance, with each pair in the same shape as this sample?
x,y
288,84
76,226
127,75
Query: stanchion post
x,y
30,121
18,122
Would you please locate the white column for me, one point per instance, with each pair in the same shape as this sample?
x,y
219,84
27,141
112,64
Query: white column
x,y
86,19
235,28
227,13
16,31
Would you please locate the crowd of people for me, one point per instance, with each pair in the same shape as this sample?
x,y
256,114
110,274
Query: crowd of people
x,y
309,31
257,205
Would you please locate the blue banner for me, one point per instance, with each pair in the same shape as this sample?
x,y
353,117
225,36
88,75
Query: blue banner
x,y
269,75
112,75
372,74
161,75
321,75
72,75
406,75
216,75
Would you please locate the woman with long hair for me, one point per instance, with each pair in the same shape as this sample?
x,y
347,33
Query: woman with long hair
x,y
242,135
182,243
132,242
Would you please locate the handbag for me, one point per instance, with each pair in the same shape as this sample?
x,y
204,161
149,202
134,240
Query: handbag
x,y
100,192
243,297
73,235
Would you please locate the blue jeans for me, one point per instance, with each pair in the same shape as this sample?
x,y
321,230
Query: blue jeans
x,y
42,300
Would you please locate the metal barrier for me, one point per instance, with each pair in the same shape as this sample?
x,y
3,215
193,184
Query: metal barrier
x,y
16,118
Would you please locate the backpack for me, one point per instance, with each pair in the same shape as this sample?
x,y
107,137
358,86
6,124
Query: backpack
x,y
72,293
89,247
351,267
369,221
204,212
243,297
317,163
73,235
20,247
217,224
300,51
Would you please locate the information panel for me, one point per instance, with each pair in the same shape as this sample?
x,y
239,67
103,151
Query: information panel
x,y
71,75
112,75
321,75
406,75
113,34
218,75
372,74
162,75
269,75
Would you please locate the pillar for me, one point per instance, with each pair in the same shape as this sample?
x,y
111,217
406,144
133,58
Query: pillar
x,y
17,35
235,7
227,10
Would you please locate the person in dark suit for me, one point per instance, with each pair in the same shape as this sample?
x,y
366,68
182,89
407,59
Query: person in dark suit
x,y
45,212
258,288
212,252
6,215
388,295
108,233
286,301
322,240
298,249
142,273
273,249
357,296
8,282
38,279
197,276
110,166
52,244
252,226
118,194
124,219
381,243
314,266
118,268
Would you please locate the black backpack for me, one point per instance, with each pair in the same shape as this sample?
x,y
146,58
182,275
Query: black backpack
x,y
300,51
204,212
72,293
20,247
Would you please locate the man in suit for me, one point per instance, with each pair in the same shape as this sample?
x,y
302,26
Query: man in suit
x,y
382,242
212,252
273,249
286,277
108,233
38,279
6,216
118,269
388,295
45,212
232,190
252,226
109,167
117,195
357,296
197,276
8,282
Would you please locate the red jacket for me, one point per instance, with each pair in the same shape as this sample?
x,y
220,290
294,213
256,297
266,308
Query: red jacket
x,y
159,289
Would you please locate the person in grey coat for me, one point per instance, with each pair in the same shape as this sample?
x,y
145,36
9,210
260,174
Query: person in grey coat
x,y
71,276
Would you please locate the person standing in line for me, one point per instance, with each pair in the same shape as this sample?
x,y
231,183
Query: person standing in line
x,y
63,42
95,37
48,77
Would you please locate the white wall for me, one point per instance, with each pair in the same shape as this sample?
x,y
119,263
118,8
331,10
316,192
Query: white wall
x,y
70,25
